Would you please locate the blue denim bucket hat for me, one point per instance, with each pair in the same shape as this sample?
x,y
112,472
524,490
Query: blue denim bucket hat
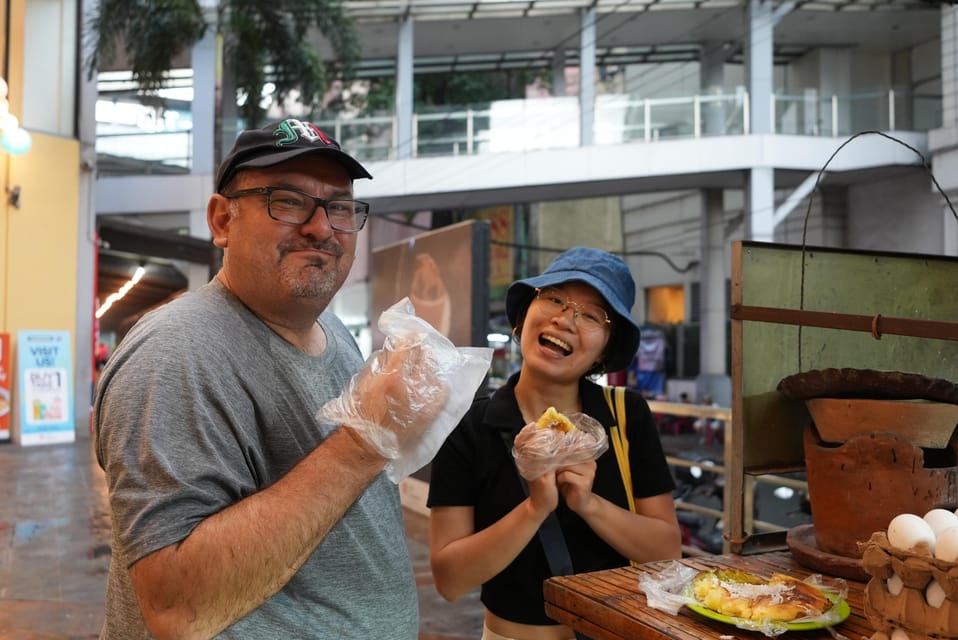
x,y
606,273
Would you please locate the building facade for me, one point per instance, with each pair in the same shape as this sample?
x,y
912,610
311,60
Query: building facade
x,y
665,131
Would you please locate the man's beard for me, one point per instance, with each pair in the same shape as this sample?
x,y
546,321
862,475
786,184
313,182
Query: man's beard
x,y
320,280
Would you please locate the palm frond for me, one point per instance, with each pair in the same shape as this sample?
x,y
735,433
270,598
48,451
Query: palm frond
x,y
152,34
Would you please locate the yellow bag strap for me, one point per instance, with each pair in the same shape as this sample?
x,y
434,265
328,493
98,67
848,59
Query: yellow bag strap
x,y
620,441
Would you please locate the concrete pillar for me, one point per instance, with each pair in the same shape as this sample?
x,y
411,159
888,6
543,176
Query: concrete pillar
x,y
760,204
758,63
713,345
203,108
949,67
943,143
558,73
711,80
951,227
86,240
713,379
404,92
204,111
587,77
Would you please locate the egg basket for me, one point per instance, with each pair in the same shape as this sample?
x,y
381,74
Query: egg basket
x,y
909,610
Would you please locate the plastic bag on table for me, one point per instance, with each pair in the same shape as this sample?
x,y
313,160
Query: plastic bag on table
x,y
666,591
538,451
392,402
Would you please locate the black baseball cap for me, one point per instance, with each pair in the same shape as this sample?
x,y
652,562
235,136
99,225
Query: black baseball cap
x,y
281,141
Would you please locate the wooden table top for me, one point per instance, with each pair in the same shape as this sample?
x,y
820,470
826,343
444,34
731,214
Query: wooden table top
x,y
608,605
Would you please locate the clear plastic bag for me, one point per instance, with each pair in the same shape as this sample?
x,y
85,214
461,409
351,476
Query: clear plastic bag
x,y
670,590
411,393
538,451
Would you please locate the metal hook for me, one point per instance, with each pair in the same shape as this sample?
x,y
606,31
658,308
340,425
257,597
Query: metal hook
x,y
13,196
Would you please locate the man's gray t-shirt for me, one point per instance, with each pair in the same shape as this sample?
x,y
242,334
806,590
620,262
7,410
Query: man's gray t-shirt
x,y
202,405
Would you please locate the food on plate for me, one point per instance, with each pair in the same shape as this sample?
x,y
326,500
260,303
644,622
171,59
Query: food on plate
x,y
552,419
780,598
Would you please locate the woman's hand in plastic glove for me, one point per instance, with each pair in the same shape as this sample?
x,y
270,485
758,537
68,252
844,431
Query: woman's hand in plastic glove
x,y
544,493
398,390
575,484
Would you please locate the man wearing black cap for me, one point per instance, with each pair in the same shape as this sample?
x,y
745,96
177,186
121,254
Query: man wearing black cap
x,y
236,512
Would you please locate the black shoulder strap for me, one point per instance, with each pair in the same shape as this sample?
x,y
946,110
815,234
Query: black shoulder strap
x,y
550,533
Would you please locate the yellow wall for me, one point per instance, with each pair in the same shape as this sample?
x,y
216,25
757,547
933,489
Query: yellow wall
x,y
41,237
38,240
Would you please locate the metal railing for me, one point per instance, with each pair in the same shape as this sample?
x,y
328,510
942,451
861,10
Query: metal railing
x,y
546,123
674,409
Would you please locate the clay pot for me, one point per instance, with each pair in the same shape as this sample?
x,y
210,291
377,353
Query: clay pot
x,y
857,487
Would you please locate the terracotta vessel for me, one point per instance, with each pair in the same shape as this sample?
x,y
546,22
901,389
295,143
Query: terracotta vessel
x,y
858,486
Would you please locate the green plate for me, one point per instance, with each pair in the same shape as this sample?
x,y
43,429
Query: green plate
x,y
837,614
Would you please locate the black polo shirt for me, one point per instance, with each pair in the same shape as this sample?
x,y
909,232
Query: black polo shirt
x,y
475,468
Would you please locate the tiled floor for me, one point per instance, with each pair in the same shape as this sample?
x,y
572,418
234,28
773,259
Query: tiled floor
x,y
54,551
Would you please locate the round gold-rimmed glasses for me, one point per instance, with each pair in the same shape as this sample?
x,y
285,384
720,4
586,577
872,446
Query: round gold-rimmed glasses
x,y
587,316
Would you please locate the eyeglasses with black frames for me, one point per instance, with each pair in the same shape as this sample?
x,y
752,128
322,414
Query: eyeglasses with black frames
x,y
295,207
587,316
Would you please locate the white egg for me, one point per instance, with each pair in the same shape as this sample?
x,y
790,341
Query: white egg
x,y
940,519
895,584
899,634
908,532
946,545
934,594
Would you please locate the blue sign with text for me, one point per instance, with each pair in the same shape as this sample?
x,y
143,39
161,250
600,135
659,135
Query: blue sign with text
x,y
45,390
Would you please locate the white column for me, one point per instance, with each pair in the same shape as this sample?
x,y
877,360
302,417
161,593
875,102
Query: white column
x,y
587,77
760,204
203,108
943,143
713,346
404,92
951,227
713,379
711,78
558,72
204,112
758,63
86,275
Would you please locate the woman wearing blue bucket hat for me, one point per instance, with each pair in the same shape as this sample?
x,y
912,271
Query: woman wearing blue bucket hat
x,y
491,528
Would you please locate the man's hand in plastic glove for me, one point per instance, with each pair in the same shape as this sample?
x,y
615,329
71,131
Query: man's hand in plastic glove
x,y
395,398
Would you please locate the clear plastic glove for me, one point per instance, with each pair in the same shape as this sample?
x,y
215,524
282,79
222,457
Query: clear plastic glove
x,y
411,393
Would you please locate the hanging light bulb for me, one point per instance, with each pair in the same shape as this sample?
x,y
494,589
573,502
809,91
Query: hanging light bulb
x,y
16,142
14,139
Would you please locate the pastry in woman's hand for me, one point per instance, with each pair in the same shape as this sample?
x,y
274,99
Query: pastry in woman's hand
x,y
555,440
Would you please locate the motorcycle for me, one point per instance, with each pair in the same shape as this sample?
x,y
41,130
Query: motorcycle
x,y
696,486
